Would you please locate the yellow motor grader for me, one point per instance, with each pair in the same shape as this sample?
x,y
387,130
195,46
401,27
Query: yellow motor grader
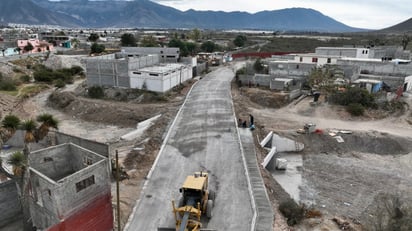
x,y
196,200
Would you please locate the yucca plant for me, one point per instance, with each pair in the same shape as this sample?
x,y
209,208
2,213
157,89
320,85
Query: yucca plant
x,y
18,161
47,121
10,123
29,126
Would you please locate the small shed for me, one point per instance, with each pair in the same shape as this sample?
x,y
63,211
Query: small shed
x,y
281,83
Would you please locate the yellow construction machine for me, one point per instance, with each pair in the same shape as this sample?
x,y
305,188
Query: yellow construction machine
x,y
196,201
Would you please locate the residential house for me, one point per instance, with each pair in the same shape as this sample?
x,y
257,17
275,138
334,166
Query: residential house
x,y
38,46
136,71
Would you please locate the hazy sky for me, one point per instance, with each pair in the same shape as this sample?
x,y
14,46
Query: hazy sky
x,y
371,14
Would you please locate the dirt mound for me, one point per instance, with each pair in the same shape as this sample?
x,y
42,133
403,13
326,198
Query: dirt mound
x,y
366,142
265,98
103,111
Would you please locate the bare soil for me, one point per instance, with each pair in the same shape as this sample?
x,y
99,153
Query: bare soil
x,y
341,180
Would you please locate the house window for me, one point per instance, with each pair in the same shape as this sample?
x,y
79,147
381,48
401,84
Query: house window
x,y
84,183
314,60
329,60
154,74
137,73
297,66
300,59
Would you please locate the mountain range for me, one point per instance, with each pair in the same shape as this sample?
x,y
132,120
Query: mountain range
x,y
148,14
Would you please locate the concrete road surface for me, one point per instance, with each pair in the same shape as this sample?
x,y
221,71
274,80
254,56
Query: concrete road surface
x,y
203,137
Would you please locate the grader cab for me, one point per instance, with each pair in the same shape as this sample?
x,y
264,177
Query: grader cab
x,y
196,200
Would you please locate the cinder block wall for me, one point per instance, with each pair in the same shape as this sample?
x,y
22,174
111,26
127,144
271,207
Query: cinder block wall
x,y
10,209
100,148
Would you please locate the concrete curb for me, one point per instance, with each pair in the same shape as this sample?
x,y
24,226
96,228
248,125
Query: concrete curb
x,y
263,214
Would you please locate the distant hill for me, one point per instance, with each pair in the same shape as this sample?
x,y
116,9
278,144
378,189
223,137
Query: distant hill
x,y
148,14
26,12
403,27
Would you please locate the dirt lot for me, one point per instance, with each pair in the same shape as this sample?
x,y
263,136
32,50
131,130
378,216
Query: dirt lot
x,y
342,180
376,157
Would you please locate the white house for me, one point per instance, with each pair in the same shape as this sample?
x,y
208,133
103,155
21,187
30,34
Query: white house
x,y
160,78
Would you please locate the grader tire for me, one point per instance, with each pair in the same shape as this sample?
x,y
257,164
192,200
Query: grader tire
x,y
212,195
209,209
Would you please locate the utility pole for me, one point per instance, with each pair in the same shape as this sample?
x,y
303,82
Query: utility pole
x,y
118,191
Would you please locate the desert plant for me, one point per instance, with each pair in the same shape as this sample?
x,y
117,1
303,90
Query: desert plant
x,y
292,211
7,85
30,127
18,162
355,109
95,92
59,83
25,78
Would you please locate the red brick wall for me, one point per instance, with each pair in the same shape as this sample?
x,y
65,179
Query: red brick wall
x,y
97,216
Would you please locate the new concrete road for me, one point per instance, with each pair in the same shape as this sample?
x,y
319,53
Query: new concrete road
x,y
203,138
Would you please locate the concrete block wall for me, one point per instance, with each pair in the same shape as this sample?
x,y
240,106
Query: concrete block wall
x,y
290,69
69,201
42,209
262,79
10,209
380,68
94,146
344,52
54,162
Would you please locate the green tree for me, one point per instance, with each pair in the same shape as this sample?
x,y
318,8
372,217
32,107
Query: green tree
x,y
405,41
209,46
93,37
9,125
258,66
128,40
148,41
29,47
47,121
97,48
240,40
196,34
192,48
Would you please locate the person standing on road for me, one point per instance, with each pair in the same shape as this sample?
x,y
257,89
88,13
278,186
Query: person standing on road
x,y
251,119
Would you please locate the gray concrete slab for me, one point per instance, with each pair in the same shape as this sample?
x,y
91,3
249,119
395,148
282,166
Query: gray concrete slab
x,y
203,137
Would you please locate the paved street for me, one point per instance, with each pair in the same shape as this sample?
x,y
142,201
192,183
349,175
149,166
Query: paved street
x,y
203,137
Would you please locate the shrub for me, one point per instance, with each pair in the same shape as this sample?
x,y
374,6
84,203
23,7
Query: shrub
x,y
355,109
76,70
59,83
292,211
25,78
7,85
353,95
96,92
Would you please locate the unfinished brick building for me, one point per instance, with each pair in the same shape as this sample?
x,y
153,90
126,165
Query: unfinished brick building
x,y
70,189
